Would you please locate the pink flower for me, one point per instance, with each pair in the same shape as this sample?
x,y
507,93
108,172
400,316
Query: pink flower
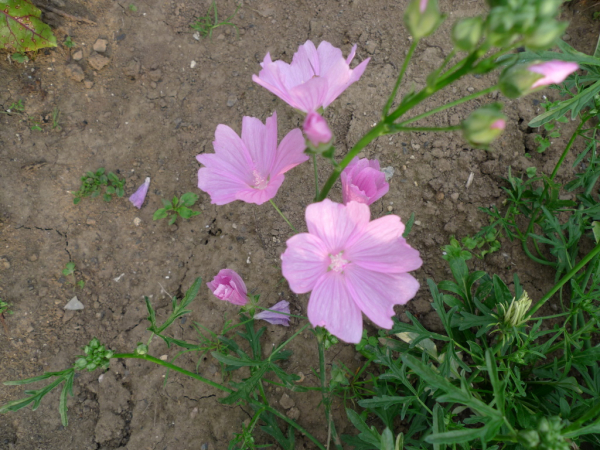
x,y
423,6
274,318
316,129
553,71
230,287
249,168
138,197
363,182
314,79
350,265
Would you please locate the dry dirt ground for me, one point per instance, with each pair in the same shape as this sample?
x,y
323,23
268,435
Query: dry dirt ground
x,y
148,113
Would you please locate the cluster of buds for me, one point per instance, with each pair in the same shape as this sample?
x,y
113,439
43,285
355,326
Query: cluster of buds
x,y
96,355
546,436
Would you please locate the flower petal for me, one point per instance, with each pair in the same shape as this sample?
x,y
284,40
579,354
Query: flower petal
x,y
376,293
340,77
290,152
336,224
260,196
309,96
261,142
221,187
304,261
328,57
331,306
272,315
381,247
230,149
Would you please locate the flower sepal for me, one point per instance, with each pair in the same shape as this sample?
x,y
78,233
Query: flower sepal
x,y
422,18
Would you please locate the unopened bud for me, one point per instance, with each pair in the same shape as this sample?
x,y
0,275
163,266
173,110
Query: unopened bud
x,y
520,80
141,349
548,8
466,33
422,18
484,125
316,129
544,35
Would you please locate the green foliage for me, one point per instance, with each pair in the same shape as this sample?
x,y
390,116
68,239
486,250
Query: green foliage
x,y
132,7
93,182
5,308
68,42
55,119
70,270
177,207
19,58
206,24
21,29
17,107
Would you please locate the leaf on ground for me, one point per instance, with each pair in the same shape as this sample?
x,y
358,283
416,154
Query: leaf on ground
x,y
21,29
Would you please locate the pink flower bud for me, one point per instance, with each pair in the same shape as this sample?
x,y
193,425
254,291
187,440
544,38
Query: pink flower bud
x,y
139,196
499,124
363,182
553,71
316,129
423,6
230,287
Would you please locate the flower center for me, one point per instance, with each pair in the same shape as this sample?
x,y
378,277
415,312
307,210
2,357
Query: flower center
x,y
338,262
259,181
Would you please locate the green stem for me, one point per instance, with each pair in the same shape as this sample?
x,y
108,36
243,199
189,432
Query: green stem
x,y
282,215
289,340
397,128
316,176
568,147
388,104
172,367
566,278
326,397
450,105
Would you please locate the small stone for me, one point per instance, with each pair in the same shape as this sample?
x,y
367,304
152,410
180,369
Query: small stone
x,y
78,55
155,75
371,46
454,119
418,222
90,222
68,315
100,45
173,228
293,413
439,196
415,145
74,305
33,258
97,61
74,72
390,208
232,100
132,68
388,172
566,38
4,264
194,413
193,64
455,196
286,401
471,89
153,85
137,221
164,357
88,84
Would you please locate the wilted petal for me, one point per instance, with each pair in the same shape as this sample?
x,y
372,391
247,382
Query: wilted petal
x,y
138,197
272,315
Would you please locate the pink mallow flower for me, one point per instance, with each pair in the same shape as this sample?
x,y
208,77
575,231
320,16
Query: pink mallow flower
x,y
314,79
351,265
316,129
554,72
275,318
230,287
249,168
138,197
363,181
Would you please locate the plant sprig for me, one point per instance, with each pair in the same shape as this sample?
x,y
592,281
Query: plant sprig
x,y
93,182
177,207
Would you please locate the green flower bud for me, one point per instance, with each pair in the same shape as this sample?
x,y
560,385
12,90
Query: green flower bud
x,y
544,35
466,33
80,364
528,438
501,26
517,81
422,18
548,8
484,125
141,349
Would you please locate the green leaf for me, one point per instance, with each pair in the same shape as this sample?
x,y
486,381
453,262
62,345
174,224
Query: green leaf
x,y
172,219
247,387
66,391
106,197
367,434
185,213
497,386
159,214
236,362
21,29
438,425
110,190
188,199
76,200
166,203
19,57
384,401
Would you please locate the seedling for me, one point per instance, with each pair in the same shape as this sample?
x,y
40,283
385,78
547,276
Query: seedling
x,y
132,7
20,58
4,309
55,119
15,107
92,183
69,42
206,24
70,270
35,125
177,207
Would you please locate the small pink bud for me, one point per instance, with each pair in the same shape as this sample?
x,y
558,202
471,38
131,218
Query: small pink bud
x,y
229,286
138,197
423,6
553,71
499,124
316,129
363,182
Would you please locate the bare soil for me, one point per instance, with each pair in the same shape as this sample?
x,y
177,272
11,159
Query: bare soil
x,y
148,113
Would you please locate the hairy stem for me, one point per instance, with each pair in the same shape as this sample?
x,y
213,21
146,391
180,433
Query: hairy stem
x,y
282,215
388,104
